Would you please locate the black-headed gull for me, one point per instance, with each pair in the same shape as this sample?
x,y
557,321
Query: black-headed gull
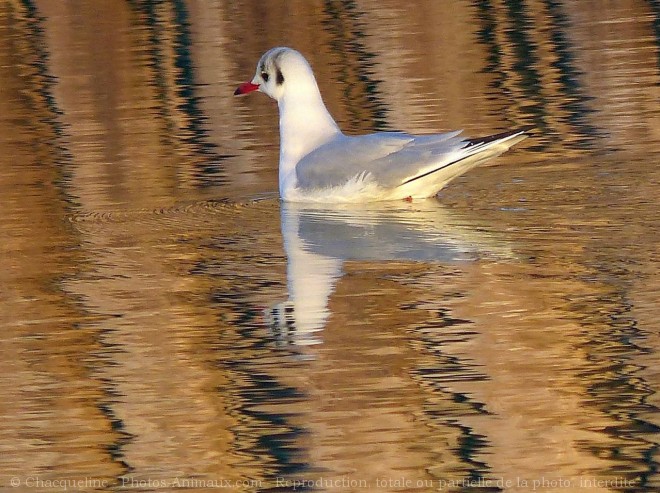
x,y
318,163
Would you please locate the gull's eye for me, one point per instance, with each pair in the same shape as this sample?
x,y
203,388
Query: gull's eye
x,y
264,76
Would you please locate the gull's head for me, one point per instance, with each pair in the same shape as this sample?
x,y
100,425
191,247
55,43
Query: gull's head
x,y
280,71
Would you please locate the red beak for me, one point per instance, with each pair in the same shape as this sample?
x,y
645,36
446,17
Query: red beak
x,y
246,88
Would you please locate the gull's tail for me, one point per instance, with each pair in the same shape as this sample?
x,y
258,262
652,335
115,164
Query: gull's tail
x,y
521,133
474,152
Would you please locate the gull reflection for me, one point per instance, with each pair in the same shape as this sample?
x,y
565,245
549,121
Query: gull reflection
x,y
318,240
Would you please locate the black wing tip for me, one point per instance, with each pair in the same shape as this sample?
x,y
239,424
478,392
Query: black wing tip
x,y
527,130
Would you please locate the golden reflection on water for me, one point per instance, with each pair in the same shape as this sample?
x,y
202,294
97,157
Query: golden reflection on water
x,y
162,325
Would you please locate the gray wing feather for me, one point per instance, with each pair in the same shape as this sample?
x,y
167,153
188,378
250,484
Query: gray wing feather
x,y
389,158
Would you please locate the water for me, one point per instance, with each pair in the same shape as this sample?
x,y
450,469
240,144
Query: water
x,y
167,323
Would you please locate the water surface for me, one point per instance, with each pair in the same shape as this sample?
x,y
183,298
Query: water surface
x,y
168,323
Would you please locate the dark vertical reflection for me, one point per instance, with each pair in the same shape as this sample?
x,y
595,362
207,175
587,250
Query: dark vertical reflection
x,y
442,411
613,384
655,6
526,61
560,110
487,36
25,46
262,406
52,351
365,108
185,124
574,103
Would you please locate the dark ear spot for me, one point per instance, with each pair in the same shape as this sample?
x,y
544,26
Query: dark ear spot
x,y
280,77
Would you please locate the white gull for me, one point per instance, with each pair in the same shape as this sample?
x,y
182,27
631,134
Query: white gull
x,y
318,163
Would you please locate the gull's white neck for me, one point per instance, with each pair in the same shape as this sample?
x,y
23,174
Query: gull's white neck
x,y
305,124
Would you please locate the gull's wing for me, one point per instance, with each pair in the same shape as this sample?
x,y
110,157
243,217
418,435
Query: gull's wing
x,y
395,159
387,156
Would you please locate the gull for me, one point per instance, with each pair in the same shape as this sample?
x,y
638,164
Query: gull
x,y
319,163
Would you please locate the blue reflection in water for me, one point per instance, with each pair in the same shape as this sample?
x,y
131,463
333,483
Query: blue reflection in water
x,y
205,156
